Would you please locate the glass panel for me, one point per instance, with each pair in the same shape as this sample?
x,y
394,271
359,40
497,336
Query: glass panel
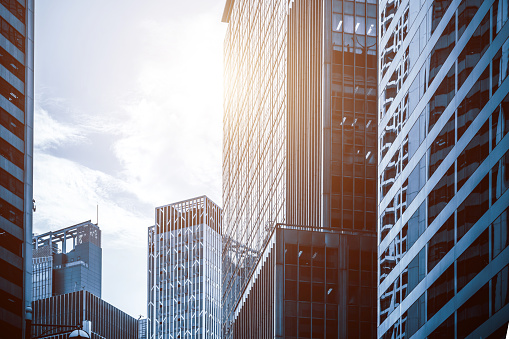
x,y
473,260
441,194
473,207
473,312
473,155
441,291
500,290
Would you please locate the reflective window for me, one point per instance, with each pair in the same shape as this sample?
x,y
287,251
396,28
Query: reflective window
x,y
441,291
500,121
473,260
473,312
416,315
441,243
474,102
500,236
473,207
473,155
500,290
476,46
441,194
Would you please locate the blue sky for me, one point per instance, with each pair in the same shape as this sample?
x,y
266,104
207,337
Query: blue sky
x,y
128,116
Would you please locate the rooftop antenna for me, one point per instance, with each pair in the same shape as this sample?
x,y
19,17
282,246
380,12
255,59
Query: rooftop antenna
x,y
97,220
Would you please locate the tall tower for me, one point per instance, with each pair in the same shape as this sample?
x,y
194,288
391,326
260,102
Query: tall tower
x,y
299,154
443,170
16,163
184,271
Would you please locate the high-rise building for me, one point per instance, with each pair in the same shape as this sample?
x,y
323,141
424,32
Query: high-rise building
x,y
443,170
102,319
67,260
16,163
300,150
184,271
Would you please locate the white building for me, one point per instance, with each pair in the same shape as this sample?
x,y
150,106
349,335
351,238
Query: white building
x,y
184,271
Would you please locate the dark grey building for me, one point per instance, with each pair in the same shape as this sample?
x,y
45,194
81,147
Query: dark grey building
x,y
105,320
300,137
67,260
310,283
443,170
16,162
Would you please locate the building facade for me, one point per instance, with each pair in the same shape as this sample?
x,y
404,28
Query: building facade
x,y
254,138
16,163
184,271
67,260
299,132
142,328
311,283
443,169
76,308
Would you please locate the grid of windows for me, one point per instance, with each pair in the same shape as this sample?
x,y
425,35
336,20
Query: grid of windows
x,y
254,138
299,127
443,150
353,114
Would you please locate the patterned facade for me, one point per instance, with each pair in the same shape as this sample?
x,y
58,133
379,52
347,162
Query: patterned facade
x,y
184,271
106,321
321,122
443,175
16,162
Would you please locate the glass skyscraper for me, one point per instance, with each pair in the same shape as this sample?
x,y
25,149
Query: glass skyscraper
x,y
184,271
300,150
67,260
16,163
443,169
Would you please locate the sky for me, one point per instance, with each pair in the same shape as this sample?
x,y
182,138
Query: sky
x,y
128,117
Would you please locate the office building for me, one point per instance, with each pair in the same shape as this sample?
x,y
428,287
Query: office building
x,y
299,149
82,307
184,271
16,163
67,260
443,170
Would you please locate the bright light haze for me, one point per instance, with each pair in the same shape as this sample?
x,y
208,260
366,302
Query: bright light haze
x,y
128,116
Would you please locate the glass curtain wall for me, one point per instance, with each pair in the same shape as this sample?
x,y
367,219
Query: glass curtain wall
x,y
443,151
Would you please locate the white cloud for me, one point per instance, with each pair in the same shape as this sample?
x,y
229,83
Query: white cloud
x,y
156,92
50,133
68,193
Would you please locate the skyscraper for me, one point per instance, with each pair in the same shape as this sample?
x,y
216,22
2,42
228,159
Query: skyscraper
x,y
443,170
67,260
184,271
16,164
299,151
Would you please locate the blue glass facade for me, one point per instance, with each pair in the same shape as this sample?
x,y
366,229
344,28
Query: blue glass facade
x,y
443,151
